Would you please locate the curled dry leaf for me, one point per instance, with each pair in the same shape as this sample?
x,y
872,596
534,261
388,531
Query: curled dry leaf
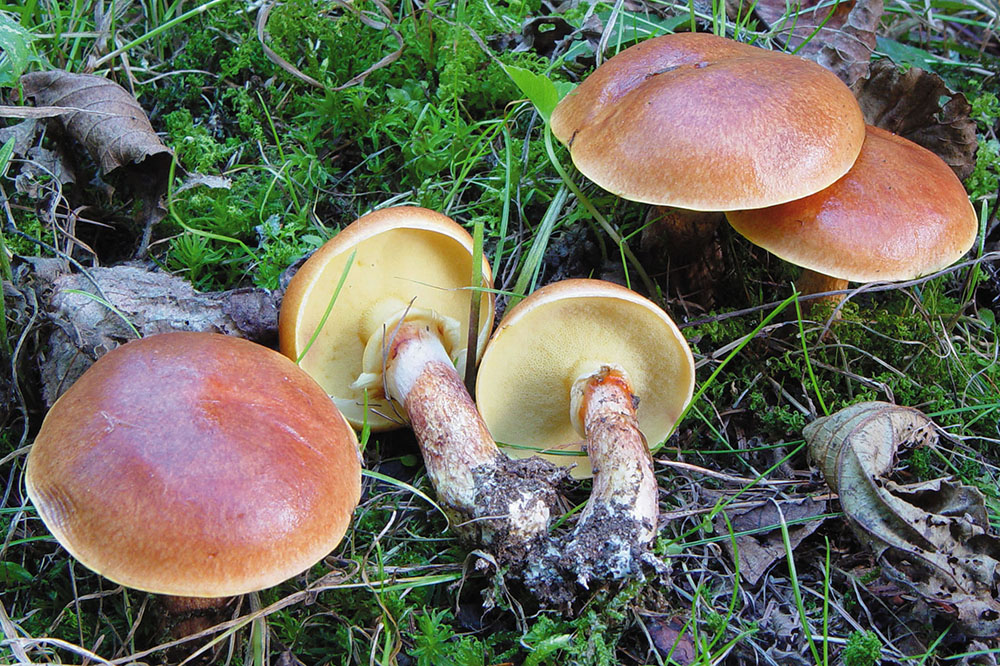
x,y
760,543
109,122
106,119
933,536
908,103
844,36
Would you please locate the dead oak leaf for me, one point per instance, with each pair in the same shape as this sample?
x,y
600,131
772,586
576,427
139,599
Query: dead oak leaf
x,y
932,537
105,118
909,103
840,37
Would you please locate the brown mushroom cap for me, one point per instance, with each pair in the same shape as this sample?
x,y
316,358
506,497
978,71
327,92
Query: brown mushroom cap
x,y
406,257
567,330
697,121
899,213
195,464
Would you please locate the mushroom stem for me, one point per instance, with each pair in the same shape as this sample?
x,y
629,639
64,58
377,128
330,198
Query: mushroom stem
x,y
176,605
687,242
682,232
453,438
478,485
812,282
620,518
186,616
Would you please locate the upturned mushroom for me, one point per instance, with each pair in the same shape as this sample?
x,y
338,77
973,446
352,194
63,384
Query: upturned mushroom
x,y
572,360
195,465
696,124
386,348
899,213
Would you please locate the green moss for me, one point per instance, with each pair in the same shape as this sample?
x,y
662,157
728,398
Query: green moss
x,y
863,649
193,144
985,178
435,642
920,463
329,45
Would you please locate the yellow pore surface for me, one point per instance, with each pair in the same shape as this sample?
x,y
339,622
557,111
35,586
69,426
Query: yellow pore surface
x,y
390,270
524,382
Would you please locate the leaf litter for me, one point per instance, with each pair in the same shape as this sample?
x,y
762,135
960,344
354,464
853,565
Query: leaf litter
x,y
759,542
840,36
110,124
932,537
888,95
106,119
908,102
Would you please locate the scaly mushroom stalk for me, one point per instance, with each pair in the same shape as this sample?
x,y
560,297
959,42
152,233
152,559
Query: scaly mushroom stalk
x,y
686,242
619,520
389,348
567,362
813,282
453,438
464,464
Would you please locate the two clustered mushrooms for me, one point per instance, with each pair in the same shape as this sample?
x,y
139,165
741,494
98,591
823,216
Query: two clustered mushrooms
x,y
197,465
695,122
378,316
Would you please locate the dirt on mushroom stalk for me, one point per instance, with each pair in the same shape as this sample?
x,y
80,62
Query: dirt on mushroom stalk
x,y
607,553
506,485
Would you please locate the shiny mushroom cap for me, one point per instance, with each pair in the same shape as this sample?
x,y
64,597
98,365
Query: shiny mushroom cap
x,y
195,464
406,261
568,330
701,122
899,213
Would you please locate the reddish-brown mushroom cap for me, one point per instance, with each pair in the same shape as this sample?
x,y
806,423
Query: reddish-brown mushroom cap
x,y
899,213
195,464
702,122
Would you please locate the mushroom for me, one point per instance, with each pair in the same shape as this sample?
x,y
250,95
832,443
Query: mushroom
x,y
394,342
695,122
195,465
570,361
899,213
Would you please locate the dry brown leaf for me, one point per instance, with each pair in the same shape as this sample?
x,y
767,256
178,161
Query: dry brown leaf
x,y
105,118
844,33
24,134
764,545
908,103
109,122
672,638
932,537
